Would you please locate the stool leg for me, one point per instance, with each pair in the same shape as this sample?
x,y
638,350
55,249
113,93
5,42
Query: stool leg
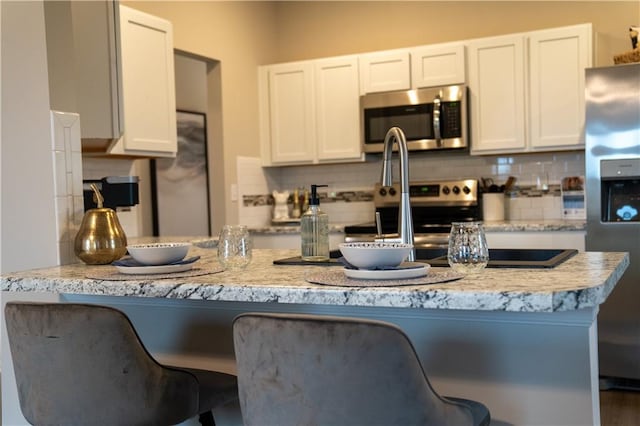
x,y
206,419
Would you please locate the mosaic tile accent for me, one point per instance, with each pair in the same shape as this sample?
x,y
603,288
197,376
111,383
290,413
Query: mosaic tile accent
x,y
325,197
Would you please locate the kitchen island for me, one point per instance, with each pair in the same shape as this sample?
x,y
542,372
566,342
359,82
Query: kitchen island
x,y
522,341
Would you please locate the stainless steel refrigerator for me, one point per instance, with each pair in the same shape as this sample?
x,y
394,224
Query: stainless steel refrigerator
x,y
612,166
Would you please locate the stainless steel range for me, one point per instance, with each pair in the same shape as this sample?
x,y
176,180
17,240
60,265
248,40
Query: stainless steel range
x,y
435,205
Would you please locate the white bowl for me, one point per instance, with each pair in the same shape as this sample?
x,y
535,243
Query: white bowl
x,y
375,255
158,253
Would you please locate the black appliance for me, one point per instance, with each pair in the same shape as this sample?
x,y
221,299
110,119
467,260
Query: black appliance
x,y
434,206
117,191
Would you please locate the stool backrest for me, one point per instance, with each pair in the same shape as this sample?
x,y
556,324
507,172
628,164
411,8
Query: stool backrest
x,y
317,370
81,364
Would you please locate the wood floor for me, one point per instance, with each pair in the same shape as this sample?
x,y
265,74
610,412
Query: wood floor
x,y
619,408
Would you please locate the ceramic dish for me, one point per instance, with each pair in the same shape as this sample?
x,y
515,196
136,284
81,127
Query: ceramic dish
x,y
131,266
158,269
404,271
158,254
371,255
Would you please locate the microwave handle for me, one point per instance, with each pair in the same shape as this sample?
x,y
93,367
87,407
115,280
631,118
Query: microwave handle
x,y
436,120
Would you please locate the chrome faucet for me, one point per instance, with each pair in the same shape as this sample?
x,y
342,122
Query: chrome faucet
x,y
405,221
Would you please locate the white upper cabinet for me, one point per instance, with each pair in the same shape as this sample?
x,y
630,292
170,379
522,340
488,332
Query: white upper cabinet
x,y
497,94
309,112
527,90
337,109
526,94
148,86
384,71
414,68
291,113
557,60
437,65
125,80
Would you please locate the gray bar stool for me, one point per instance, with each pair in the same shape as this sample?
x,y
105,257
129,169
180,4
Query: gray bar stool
x,y
309,369
81,364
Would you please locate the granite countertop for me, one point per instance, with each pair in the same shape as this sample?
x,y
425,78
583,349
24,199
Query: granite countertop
x,y
502,226
584,280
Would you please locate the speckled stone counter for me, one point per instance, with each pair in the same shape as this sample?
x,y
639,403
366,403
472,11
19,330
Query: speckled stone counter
x,y
522,341
583,281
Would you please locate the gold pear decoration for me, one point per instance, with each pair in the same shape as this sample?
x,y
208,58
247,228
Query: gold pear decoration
x,y
101,239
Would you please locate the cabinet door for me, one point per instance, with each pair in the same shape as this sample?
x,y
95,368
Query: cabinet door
x,y
438,65
291,113
558,58
337,109
497,94
148,85
384,71
98,69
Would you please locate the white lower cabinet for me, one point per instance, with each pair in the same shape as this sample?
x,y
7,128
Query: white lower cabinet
x,y
289,241
537,240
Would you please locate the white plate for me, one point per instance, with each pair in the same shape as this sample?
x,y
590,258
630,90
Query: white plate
x,y
160,269
419,270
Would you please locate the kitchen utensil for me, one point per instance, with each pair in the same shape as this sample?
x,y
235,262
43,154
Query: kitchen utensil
x,y
468,252
100,239
378,225
511,180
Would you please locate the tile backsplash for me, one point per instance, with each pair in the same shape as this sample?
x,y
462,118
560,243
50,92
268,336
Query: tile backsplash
x,y
541,170
67,169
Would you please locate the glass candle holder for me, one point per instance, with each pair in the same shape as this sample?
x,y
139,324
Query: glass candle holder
x,y
234,247
468,252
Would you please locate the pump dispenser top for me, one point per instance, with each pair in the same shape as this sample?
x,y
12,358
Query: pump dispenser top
x,y
314,200
314,230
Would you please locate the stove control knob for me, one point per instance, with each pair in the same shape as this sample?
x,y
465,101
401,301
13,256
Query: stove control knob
x,y
446,190
382,192
466,190
392,191
456,190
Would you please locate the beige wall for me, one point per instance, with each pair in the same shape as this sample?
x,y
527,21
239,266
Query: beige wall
x,y
242,35
316,29
29,234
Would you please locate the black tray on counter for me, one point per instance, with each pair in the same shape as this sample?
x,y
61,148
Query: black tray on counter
x,y
505,258
437,257
334,255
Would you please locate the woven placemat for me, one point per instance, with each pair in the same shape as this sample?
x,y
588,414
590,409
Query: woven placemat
x,y
338,278
115,275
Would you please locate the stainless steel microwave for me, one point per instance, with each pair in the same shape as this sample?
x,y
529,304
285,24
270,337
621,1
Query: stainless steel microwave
x,y
431,118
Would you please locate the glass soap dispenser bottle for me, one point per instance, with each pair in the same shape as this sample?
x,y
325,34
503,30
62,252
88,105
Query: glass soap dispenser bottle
x,y
314,230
